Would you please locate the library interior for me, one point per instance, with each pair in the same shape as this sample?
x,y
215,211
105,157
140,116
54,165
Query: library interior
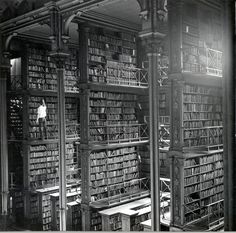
x,y
117,115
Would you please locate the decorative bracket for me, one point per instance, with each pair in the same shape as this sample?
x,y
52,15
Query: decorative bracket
x,y
59,48
5,63
8,40
69,20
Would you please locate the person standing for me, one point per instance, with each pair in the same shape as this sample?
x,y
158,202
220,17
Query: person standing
x,y
41,119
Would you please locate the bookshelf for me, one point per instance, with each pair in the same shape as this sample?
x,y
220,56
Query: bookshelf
x,y
112,170
40,158
15,116
42,70
126,217
143,215
72,195
196,122
16,204
74,216
201,181
110,88
96,220
202,115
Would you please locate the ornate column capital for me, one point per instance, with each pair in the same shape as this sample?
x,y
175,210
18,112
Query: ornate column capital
x,y
157,7
59,40
59,58
153,45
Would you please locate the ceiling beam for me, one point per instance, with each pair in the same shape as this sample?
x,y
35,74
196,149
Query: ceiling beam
x,y
103,20
42,14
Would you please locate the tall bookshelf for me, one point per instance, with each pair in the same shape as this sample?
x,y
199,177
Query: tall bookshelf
x,y
72,197
34,77
196,146
113,131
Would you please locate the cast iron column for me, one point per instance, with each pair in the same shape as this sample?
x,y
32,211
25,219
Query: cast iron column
x,y
154,134
151,38
4,74
59,52
62,143
229,115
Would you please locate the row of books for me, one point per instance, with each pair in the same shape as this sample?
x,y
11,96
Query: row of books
x,y
113,96
201,124
115,222
202,90
204,99
212,191
199,107
203,116
209,141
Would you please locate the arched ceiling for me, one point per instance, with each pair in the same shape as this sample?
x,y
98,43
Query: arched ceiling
x,y
124,12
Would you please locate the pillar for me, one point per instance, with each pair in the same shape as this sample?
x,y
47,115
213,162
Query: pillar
x,y
152,36
59,52
229,115
154,135
62,143
4,74
84,129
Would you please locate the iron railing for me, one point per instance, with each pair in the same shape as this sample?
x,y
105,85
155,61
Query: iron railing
x,y
215,212
119,133
202,60
128,190
16,82
119,75
72,130
205,136
164,196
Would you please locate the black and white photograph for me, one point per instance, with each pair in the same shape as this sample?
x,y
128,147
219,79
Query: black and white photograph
x,y
117,115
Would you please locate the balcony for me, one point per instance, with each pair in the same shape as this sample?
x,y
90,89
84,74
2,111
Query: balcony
x,y
72,130
109,134
215,213
119,75
15,82
202,60
211,136
123,192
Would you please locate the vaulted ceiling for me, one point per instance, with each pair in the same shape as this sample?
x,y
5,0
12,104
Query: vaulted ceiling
x,y
125,9
116,12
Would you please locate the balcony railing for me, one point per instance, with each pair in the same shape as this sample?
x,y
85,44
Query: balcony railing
x,y
214,62
164,196
127,76
129,190
72,130
119,75
215,212
119,133
206,136
202,60
15,82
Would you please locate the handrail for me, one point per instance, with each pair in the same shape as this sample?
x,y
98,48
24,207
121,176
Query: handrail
x,y
16,82
72,130
215,213
119,133
212,135
202,60
142,184
119,75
